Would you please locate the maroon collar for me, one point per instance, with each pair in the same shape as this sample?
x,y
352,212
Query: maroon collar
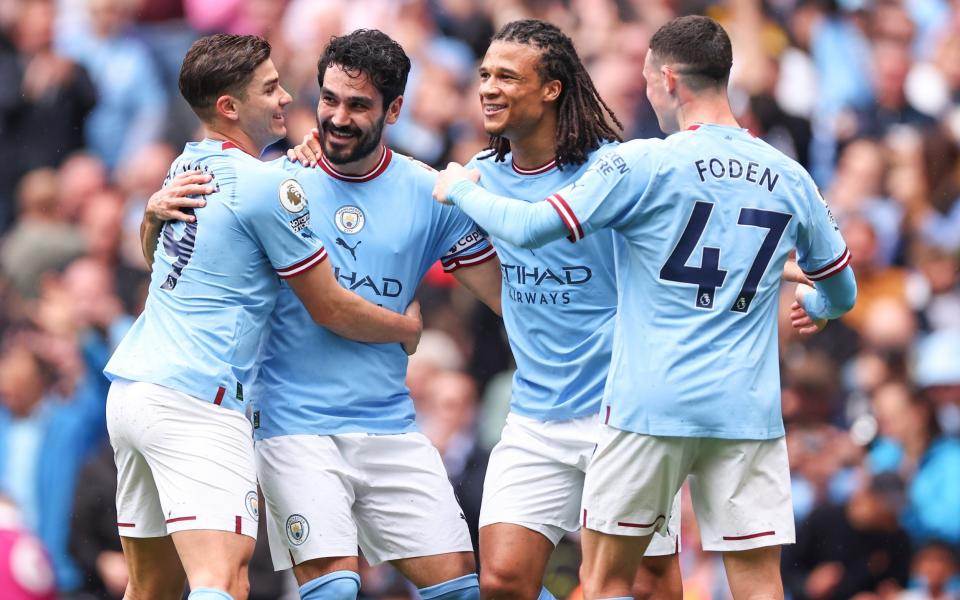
x,y
379,168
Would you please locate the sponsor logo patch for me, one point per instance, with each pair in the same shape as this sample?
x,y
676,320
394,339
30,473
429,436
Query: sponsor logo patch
x,y
292,197
300,223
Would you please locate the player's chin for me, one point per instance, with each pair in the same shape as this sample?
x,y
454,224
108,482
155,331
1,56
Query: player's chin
x,y
495,124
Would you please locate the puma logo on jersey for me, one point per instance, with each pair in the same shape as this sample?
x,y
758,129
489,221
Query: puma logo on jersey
x,y
351,249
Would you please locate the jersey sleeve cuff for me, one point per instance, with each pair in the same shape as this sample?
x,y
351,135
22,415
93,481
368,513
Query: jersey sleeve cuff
x,y
468,260
566,215
831,269
304,265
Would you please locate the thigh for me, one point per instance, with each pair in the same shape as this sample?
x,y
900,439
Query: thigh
x,y
405,507
741,494
632,482
535,475
201,459
308,490
154,569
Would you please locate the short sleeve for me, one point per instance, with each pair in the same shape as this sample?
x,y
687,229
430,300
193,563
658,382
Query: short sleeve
x,y
821,251
465,245
280,221
607,194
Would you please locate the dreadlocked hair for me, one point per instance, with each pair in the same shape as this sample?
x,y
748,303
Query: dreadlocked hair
x,y
581,113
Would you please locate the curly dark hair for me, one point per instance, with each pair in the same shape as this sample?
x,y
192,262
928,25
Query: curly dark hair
x,y
700,48
220,64
581,113
372,53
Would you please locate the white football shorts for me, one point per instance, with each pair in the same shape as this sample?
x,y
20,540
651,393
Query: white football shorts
x,y
327,494
535,479
740,488
182,463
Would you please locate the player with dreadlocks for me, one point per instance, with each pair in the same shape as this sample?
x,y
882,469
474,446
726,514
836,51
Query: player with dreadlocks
x,y
546,123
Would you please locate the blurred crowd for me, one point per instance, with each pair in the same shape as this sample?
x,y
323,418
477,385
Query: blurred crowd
x,y
864,93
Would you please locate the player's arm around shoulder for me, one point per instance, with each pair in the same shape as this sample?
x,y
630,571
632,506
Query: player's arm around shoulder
x,y
175,201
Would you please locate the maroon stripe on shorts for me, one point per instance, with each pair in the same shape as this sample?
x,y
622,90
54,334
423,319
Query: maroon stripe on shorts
x,y
640,525
735,538
126,524
239,529
584,517
177,519
606,421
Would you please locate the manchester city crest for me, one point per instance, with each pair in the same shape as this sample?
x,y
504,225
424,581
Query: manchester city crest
x,y
349,219
252,502
292,196
297,529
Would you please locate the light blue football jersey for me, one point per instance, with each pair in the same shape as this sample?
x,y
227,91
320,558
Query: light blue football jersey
x,y
215,281
383,231
558,302
708,218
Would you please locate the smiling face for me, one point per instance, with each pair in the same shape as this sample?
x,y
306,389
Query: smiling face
x,y
261,110
512,96
350,115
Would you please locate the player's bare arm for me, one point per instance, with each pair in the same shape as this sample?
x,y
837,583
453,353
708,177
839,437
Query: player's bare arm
x,y
167,204
348,315
794,274
452,174
483,281
307,152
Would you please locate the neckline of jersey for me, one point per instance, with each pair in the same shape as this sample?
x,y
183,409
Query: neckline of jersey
x,y
228,145
536,170
696,126
373,173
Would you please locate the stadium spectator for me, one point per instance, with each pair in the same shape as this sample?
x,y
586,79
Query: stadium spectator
x,y
40,241
46,434
934,574
448,418
844,550
910,444
43,103
132,103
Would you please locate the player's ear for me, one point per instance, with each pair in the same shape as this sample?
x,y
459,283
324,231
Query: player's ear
x,y
551,90
226,106
393,110
669,79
